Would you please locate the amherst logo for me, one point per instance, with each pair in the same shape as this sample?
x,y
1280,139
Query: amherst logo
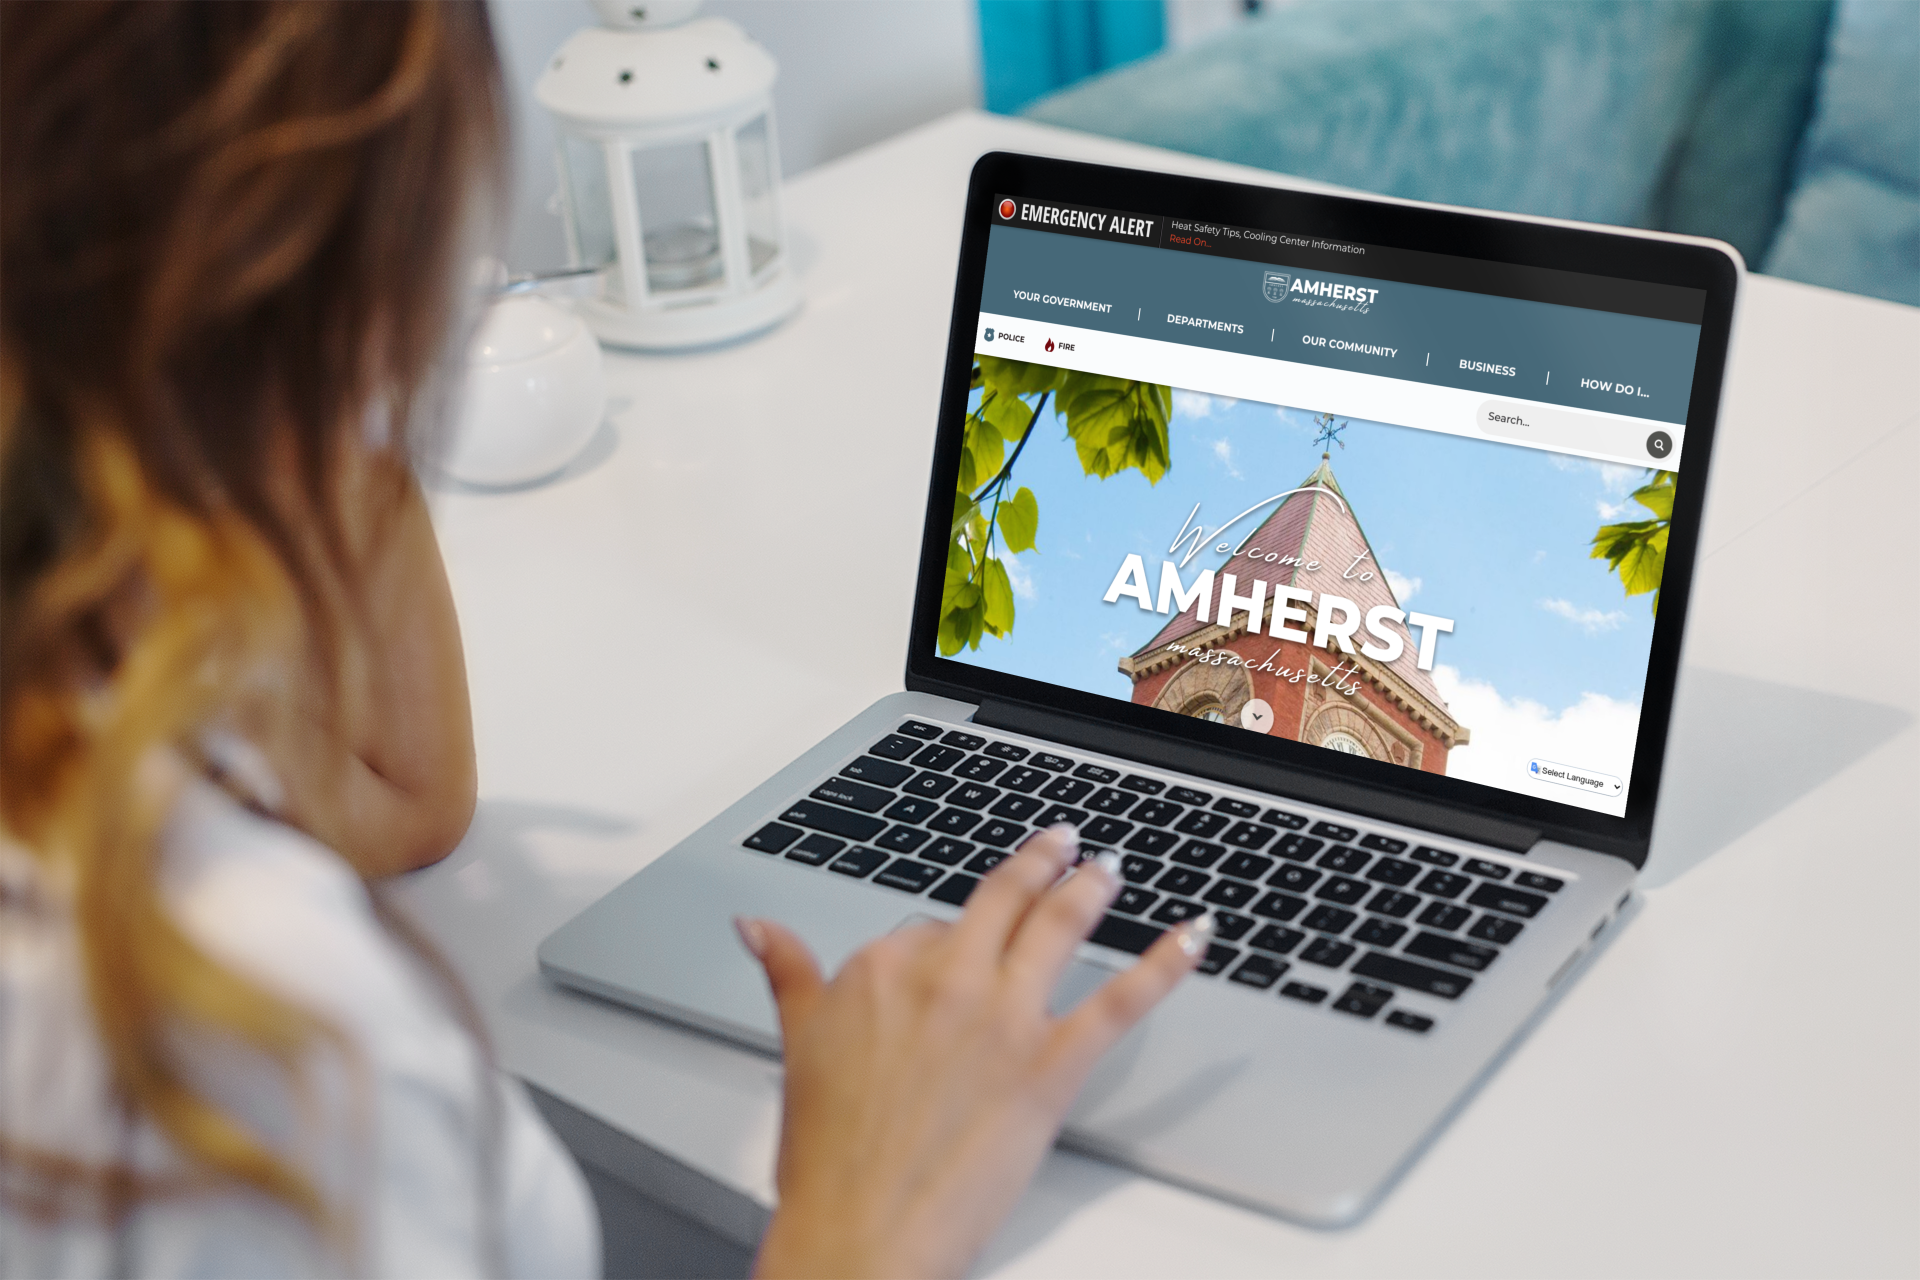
x,y
1274,286
1283,286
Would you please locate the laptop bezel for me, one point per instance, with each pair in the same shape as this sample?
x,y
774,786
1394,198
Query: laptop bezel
x,y
1490,237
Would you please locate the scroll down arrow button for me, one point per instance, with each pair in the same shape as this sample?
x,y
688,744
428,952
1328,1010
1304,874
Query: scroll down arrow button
x,y
1257,716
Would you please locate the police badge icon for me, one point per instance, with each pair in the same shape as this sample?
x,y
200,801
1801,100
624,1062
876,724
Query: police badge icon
x,y
1275,286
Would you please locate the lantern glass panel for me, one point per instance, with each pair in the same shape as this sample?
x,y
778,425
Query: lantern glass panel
x,y
679,227
754,143
590,208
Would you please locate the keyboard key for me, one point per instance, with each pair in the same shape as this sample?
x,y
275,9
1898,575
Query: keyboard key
x,y
1199,853
1235,808
881,773
1327,952
921,730
1246,866
1157,813
1281,818
1343,858
1279,906
1106,830
1405,973
975,795
1259,971
1060,813
1514,902
895,746
964,741
1182,880
1444,915
1107,800
1145,786
1231,927
1492,928
1393,871
1066,790
858,861
939,757
954,822
1149,840
1410,1021
1216,959
1097,773
1000,833
912,809
1023,779
986,860
1383,844
1277,939
834,821
946,851
903,839
1443,884
1249,835
1019,808
1534,880
1434,857
1363,1000
1047,760
1334,831
1138,870
1303,992
1187,795
1299,847
816,849
1326,919
930,785
907,875
1342,890
1123,934
1464,955
854,795
1298,879
1392,902
955,889
1491,870
1007,751
981,769
1132,900
1231,893
1177,911
1375,932
1200,823
772,838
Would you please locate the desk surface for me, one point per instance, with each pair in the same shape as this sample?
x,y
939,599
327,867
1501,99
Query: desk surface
x,y
1729,1091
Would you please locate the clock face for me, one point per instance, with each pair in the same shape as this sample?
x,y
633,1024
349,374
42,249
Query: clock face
x,y
1343,742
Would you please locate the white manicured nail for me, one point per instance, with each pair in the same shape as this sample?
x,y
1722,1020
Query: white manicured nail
x,y
1109,862
1196,935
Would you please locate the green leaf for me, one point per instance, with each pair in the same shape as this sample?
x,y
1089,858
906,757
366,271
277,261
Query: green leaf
x,y
1019,520
1009,415
997,596
1017,377
988,450
1657,496
1116,424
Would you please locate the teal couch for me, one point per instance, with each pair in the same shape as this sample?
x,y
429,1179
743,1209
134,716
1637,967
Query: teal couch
x,y
1789,128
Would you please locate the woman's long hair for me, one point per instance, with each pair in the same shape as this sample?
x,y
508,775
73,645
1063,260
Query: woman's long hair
x,y
230,237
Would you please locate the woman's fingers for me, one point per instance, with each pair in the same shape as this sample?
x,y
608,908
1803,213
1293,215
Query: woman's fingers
x,y
1109,1013
1058,923
792,971
1003,898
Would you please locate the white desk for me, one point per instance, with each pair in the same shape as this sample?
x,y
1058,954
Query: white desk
x,y
1732,1090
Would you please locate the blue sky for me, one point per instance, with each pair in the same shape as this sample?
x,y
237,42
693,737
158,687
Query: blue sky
x,y
1493,536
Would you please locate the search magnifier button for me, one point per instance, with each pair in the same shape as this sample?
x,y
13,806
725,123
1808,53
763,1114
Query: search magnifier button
x,y
1659,444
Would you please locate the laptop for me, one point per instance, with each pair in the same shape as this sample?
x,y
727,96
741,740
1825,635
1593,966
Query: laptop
x,y
1328,559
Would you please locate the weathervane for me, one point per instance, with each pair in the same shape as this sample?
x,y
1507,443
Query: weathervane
x,y
1330,430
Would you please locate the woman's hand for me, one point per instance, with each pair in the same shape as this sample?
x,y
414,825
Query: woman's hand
x,y
925,1083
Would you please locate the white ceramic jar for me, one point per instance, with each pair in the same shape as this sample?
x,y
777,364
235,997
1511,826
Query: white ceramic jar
x,y
535,394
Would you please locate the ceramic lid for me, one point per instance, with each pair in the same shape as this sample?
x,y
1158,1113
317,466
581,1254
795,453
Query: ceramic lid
x,y
522,329
651,77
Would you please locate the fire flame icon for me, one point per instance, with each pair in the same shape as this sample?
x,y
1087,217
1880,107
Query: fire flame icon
x,y
1049,344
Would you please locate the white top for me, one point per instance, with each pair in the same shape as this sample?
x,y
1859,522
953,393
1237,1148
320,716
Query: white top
x,y
401,1122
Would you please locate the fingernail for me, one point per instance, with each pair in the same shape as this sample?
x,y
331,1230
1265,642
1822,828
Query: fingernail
x,y
753,935
1196,935
1109,862
1069,835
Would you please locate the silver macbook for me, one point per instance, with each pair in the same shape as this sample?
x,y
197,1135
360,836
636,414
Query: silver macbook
x,y
1327,558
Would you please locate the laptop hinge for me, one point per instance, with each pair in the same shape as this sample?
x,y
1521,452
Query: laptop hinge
x,y
1258,775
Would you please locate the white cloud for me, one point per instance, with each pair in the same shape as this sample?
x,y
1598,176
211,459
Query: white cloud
x,y
1618,479
1223,450
1117,643
1540,555
1019,577
1596,732
1627,507
1591,621
1404,588
1197,404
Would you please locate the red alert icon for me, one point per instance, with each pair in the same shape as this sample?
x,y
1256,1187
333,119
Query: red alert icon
x,y
1049,344
1006,208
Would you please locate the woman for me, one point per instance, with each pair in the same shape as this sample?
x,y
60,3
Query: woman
x,y
235,240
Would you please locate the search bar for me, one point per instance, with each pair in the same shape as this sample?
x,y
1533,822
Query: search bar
x,y
1581,432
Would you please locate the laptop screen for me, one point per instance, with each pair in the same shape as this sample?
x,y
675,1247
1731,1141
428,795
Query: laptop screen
x,y
1395,504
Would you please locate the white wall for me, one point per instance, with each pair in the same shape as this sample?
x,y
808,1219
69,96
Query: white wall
x,y
851,72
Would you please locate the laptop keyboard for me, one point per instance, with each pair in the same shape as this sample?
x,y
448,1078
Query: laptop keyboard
x,y
1305,908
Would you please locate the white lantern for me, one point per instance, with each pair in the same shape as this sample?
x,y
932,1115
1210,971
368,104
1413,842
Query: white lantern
x,y
669,175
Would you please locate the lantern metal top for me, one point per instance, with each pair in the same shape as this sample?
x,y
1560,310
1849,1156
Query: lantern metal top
x,y
646,77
